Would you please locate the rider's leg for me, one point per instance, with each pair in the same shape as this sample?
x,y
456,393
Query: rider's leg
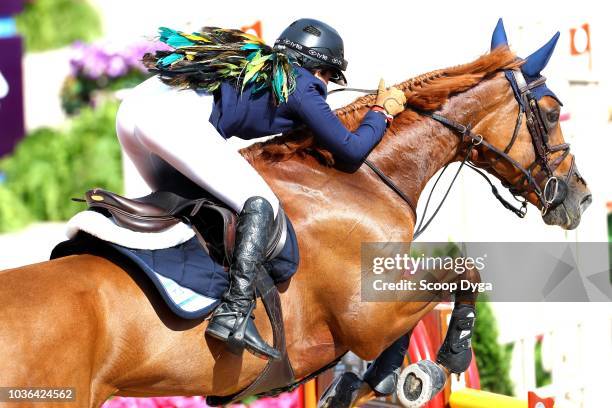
x,y
233,320
173,126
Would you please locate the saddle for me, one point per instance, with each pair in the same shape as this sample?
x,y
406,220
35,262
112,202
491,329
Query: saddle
x,y
214,224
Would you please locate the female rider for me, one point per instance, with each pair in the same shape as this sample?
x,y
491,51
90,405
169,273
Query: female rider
x,y
171,134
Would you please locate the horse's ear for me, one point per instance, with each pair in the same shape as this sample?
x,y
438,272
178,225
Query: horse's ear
x,y
535,63
499,37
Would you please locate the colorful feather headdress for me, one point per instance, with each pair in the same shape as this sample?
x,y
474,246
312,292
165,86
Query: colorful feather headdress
x,y
203,60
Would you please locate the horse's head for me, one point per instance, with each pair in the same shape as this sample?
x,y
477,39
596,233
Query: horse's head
x,y
523,141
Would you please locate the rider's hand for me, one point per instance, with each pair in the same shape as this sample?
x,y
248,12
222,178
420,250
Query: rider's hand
x,y
391,99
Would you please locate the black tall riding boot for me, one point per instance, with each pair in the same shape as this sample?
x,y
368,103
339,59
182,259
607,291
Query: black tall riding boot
x,y
232,321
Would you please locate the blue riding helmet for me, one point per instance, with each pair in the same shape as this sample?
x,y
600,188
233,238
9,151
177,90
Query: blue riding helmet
x,y
314,45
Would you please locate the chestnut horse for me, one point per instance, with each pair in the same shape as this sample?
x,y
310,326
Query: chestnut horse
x,y
83,322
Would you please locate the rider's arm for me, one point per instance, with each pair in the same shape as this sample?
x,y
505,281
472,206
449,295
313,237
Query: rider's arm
x,y
350,147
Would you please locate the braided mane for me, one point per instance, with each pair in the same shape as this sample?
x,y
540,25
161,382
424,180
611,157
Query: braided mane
x,y
428,92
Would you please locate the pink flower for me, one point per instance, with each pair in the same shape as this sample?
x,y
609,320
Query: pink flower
x,y
117,66
287,400
158,402
98,60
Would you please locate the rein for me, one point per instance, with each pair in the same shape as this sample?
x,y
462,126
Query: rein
x,y
554,191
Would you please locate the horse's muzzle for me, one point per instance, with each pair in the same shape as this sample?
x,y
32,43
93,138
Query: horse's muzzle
x,y
568,201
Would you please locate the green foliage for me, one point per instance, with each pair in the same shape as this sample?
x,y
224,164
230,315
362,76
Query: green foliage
x,y
50,24
13,214
492,359
50,166
543,377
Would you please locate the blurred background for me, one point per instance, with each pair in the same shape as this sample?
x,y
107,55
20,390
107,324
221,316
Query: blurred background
x,y
66,64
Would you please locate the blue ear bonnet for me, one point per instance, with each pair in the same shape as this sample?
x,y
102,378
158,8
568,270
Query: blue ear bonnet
x,y
534,63
542,90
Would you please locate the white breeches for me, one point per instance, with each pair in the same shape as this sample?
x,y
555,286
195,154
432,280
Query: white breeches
x,y
159,126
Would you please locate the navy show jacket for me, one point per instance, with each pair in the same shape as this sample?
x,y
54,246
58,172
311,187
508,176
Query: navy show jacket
x,y
249,116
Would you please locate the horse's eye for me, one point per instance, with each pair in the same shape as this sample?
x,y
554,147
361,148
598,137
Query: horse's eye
x,y
552,117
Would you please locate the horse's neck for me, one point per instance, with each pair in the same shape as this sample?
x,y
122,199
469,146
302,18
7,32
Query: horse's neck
x,y
411,154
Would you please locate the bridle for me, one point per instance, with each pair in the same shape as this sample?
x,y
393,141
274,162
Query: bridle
x,y
555,190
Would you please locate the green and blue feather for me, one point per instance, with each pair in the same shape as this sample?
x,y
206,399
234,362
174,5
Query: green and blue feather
x,y
205,59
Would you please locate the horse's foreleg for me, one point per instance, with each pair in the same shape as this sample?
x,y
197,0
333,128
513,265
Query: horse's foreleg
x,y
422,380
383,373
455,354
380,379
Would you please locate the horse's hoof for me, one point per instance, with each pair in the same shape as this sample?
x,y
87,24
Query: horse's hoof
x,y
342,392
419,383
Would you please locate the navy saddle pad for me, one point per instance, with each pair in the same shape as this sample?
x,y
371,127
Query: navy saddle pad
x,y
187,278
